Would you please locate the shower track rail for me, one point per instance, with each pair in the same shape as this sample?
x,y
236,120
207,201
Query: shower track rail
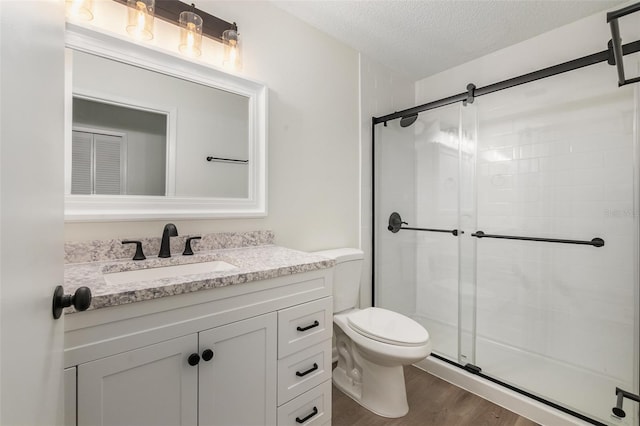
x,y
478,372
595,242
473,92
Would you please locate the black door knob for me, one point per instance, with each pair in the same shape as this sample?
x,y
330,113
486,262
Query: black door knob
x,y
193,359
207,355
81,300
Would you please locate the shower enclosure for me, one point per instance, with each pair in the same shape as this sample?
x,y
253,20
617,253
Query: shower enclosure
x,y
516,240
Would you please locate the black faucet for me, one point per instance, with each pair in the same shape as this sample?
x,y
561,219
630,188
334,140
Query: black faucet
x,y
170,230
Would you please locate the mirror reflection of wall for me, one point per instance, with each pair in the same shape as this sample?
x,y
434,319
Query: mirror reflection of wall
x,y
117,150
200,121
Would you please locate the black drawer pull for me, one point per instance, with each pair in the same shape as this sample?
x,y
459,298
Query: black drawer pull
x,y
313,413
311,370
309,327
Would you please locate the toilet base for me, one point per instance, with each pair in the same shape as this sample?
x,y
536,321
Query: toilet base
x,y
377,388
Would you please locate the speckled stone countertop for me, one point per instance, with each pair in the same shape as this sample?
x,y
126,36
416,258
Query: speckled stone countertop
x,y
253,263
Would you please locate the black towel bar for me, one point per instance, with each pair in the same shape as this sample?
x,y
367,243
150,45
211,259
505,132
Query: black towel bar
x,y
395,225
227,160
595,242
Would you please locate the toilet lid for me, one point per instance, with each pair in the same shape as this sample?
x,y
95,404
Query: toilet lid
x,y
388,327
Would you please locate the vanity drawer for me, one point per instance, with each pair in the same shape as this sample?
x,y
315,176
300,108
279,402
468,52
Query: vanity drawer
x,y
304,325
314,406
303,370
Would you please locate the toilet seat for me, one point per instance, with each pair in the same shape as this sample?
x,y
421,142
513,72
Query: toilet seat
x,y
387,326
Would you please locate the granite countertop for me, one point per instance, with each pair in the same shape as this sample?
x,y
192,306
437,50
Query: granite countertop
x,y
253,264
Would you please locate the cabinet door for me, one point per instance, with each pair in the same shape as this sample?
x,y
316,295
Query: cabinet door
x,y
150,386
238,385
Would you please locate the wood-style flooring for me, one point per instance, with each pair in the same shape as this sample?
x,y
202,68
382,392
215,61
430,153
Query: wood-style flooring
x,y
432,402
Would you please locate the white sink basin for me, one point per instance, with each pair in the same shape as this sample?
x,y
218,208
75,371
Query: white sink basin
x,y
167,272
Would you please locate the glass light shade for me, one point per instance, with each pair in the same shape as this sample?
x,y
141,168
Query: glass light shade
x,y
190,34
80,9
140,22
232,50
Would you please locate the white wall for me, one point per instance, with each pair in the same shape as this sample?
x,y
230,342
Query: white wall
x,y
313,153
381,92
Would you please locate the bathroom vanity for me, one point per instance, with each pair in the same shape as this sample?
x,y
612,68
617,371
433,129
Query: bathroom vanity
x,y
248,344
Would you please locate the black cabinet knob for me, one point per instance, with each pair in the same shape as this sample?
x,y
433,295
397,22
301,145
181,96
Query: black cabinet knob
x,y
207,355
193,359
81,300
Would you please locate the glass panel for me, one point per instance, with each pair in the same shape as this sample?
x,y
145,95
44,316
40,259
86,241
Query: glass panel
x,y
466,243
557,159
395,192
416,175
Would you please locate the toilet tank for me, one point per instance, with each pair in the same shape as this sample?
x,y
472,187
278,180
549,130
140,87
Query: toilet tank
x,y
346,277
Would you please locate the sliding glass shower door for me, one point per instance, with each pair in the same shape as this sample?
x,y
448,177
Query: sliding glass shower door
x,y
554,159
416,176
557,159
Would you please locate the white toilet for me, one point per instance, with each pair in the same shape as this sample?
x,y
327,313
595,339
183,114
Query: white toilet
x,y
373,344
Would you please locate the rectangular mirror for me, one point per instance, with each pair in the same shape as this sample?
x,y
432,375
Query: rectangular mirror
x,y
152,135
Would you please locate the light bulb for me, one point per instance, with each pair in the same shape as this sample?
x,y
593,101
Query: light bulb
x,y
190,37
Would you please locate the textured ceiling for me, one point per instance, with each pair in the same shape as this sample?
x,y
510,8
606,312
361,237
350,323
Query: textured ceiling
x,y
422,38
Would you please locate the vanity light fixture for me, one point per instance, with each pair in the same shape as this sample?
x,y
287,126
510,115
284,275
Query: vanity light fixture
x,y
212,26
190,33
80,9
140,18
232,53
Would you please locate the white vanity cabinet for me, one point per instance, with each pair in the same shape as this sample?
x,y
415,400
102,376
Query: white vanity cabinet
x,y
153,385
156,385
304,364
236,387
132,362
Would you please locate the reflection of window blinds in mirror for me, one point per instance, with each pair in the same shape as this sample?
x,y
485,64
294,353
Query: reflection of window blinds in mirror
x,y
107,164
81,163
97,164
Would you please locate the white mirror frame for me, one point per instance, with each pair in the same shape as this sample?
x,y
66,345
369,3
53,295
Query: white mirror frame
x,y
101,208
